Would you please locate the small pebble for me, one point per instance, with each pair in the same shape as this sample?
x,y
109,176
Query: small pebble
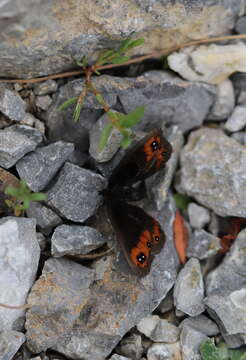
x,y
43,102
198,216
46,87
237,120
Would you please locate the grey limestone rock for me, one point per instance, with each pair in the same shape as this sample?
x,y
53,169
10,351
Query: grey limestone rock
x,y
203,245
75,195
43,102
18,265
57,298
112,144
83,28
41,165
226,293
11,104
75,240
213,172
46,218
45,87
10,342
162,351
158,330
189,289
237,120
198,215
190,341
224,102
201,323
241,25
118,357
15,142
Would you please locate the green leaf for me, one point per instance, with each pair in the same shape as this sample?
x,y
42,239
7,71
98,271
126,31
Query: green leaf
x,y
105,57
137,42
67,103
124,45
77,111
126,141
120,59
237,354
131,119
100,99
105,135
12,191
38,197
181,201
209,351
26,204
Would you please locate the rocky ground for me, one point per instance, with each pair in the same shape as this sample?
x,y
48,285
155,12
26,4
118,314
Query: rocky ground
x,y
93,309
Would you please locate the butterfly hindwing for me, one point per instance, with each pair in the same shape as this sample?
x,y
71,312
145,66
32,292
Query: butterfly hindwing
x,y
139,234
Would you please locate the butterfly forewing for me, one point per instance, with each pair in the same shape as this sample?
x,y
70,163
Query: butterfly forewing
x,y
148,156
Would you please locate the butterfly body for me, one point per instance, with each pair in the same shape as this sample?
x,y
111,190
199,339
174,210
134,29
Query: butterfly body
x,y
139,234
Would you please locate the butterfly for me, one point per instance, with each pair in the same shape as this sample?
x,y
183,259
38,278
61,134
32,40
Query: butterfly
x,y
139,234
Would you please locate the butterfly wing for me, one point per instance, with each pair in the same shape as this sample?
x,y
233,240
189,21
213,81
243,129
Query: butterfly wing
x,y
139,234
148,156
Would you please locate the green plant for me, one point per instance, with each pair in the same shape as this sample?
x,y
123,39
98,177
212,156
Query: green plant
x,y
209,351
24,196
181,201
123,122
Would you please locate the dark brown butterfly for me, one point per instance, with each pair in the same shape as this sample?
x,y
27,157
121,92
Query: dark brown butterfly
x,y
139,234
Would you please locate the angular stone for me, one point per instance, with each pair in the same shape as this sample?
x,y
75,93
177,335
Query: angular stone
x,y
11,104
19,257
202,324
57,298
237,120
39,125
15,142
164,352
28,119
43,102
75,240
213,172
158,185
119,357
45,87
224,102
167,100
75,195
209,63
158,330
117,304
40,166
203,245
46,218
112,145
190,341
42,241
189,290
198,215
226,290
131,346
10,342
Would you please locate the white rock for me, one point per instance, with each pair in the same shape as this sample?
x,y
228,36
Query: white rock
x,y
198,216
212,64
19,256
164,352
224,103
158,329
237,120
